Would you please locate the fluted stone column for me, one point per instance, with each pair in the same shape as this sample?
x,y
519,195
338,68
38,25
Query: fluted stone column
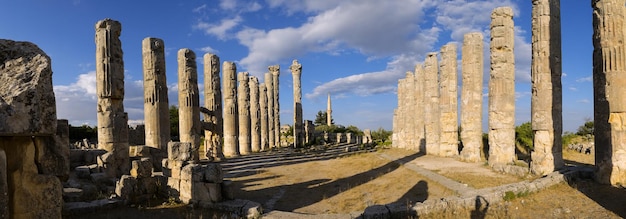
x,y
156,103
275,70
472,96
255,115
502,88
112,120
418,109
395,129
449,140
329,112
264,123
609,85
213,103
243,102
298,128
431,95
231,114
547,119
189,101
269,85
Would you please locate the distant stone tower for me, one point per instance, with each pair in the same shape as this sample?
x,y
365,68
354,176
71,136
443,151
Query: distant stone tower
x,y
329,111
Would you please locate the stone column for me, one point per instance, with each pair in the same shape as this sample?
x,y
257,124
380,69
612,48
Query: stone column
x,y
275,70
418,109
400,141
502,88
213,102
472,96
329,112
298,128
547,119
188,101
609,85
243,102
269,85
264,123
156,103
112,120
431,102
449,140
409,113
255,115
231,114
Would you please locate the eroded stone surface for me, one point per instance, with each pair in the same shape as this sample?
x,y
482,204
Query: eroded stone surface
x,y
275,71
448,102
156,102
243,102
255,115
547,122
502,88
213,103
298,127
431,102
269,85
472,96
188,100
231,114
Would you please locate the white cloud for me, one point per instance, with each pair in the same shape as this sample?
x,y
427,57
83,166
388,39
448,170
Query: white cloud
x,y
199,8
572,88
583,101
77,101
585,79
219,30
208,49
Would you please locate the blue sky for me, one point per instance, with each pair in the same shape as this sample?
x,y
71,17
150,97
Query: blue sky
x,y
354,49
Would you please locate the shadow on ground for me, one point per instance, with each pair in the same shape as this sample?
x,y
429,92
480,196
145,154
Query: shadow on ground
x,y
307,193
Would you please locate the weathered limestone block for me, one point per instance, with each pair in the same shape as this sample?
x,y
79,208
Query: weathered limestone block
x,y
180,151
213,173
472,96
339,137
156,102
27,104
31,153
243,102
255,115
298,126
189,101
269,85
367,136
231,114
112,120
275,71
213,102
141,168
609,90
309,130
502,88
448,102
401,127
431,102
264,117
547,119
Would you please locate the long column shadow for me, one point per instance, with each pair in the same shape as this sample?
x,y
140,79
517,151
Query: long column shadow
x,y
308,193
609,197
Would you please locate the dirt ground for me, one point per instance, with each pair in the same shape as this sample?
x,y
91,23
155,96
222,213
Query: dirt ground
x,y
348,184
318,183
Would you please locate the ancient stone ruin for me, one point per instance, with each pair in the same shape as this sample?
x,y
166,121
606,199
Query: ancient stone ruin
x,y
34,153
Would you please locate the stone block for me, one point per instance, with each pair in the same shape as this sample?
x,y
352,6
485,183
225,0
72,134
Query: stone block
x,y
213,173
141,168
215,191
126,187
173,187
82,172
193,172
180,151
228,190
28,104
192,192
72,194
94,168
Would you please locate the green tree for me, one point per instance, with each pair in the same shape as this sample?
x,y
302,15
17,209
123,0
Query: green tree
x,y
174,123
381,135
354,130
320,119
585,129
289,131
524,135
78,133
